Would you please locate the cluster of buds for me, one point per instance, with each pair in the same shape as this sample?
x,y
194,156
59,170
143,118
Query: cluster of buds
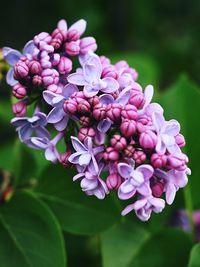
x,y
114,127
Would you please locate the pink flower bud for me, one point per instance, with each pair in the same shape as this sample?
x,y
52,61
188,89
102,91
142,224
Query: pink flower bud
x,y
86,44
46,47
118,142
122,64
113,181
158,160
93,100
157,189
109,71
45,63
21,70
180,140
72,48
86,132
148,139
129,112
50,76
78,96
85,121
43,36
19,109
137,99
37,80
104,61
54,88
111,154
114,111
19,91
129,151
128,127
65,65
83,106
64,158
56,43
55,59
59,34
70,106
177,162
139,156
99,112
34,67
73,35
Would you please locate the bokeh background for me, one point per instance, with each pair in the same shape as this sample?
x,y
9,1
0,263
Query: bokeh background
x,y
161,39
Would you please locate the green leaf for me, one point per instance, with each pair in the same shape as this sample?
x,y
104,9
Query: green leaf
x,y
30,234
76,212
145,66
182,102
121,243
170,247
195,256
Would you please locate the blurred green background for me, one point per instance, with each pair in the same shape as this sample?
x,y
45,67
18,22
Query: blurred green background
x,y
161,40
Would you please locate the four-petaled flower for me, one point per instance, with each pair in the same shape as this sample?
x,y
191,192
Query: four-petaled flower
x,y
85,154
166,132
144,207
92,184
135,180
27,126
90,78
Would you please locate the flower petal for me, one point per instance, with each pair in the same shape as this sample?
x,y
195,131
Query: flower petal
x,y
10,77
84,159
104,125
111,85
79,26
77,78
123,97
146,170
106,99
78,146
12,56
89,91
124,170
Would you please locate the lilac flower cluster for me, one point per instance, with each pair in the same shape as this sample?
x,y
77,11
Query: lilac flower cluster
x,y
105,118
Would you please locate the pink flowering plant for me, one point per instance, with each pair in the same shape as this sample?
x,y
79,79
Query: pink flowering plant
x,y
115,137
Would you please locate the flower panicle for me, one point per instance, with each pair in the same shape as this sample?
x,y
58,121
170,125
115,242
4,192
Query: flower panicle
x,y
108,123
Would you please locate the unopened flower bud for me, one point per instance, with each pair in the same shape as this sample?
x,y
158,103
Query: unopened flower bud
x,y
177,162
99,112
43,46
54,88
86,132
65,65
37,80
64,158
128,127
129,151
72,48
148,139
139,156
109,71
114,112
21,70
111,154
129,112
43,36
87,44
73,35
157,189
55,59
180,140
158,160
19,109
83,106
19,91
104,61
50,76
113,181
137,99
70,106
93,100
34,67
85,121
118,142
